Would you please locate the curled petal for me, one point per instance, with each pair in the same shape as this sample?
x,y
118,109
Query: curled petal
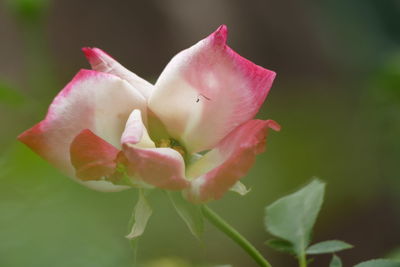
x,y
101,61
93,100
92,157
135,132
208,90
160,167
222,167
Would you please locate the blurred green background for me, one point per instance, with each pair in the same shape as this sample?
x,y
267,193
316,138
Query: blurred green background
x,y
337,97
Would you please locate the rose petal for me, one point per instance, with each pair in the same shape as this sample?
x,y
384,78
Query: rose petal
x,y
93,100
161,167
92,157
208,90
135,132
223,166
101,61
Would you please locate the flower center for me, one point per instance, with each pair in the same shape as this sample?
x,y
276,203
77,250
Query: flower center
x,y
172,143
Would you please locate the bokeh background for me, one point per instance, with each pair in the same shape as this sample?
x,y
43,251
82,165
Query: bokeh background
x,y
337,97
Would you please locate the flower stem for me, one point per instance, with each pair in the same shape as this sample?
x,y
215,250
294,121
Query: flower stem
x,y
222,225
134,245
303,260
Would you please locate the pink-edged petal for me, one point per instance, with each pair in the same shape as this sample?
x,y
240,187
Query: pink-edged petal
x,y
223,166
93,100
208,90
160,167
92,157
101,61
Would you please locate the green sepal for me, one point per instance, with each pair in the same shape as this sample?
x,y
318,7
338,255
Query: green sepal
x,y
190,213
140,216
240,188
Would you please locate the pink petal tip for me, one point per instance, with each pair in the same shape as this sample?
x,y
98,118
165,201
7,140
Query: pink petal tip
x,y
92,55
220,36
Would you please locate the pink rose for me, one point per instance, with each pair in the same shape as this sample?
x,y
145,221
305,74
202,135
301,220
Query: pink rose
x,y
192,131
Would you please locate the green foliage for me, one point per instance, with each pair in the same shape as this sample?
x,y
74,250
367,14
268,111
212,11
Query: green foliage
x,y
330,246
335,262
140,216
292,217
190,213
280,245
379,263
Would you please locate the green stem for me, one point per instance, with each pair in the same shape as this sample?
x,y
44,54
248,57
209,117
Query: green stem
x,y
134,245
222,225
303,260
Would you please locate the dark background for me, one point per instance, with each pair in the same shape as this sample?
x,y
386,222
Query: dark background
x,y
337,97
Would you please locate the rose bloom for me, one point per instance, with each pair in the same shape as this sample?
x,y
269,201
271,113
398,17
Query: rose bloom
x,y
192,131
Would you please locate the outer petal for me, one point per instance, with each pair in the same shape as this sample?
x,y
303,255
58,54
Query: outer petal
x,y
161,167
207,91
101,61
223,166
96,101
